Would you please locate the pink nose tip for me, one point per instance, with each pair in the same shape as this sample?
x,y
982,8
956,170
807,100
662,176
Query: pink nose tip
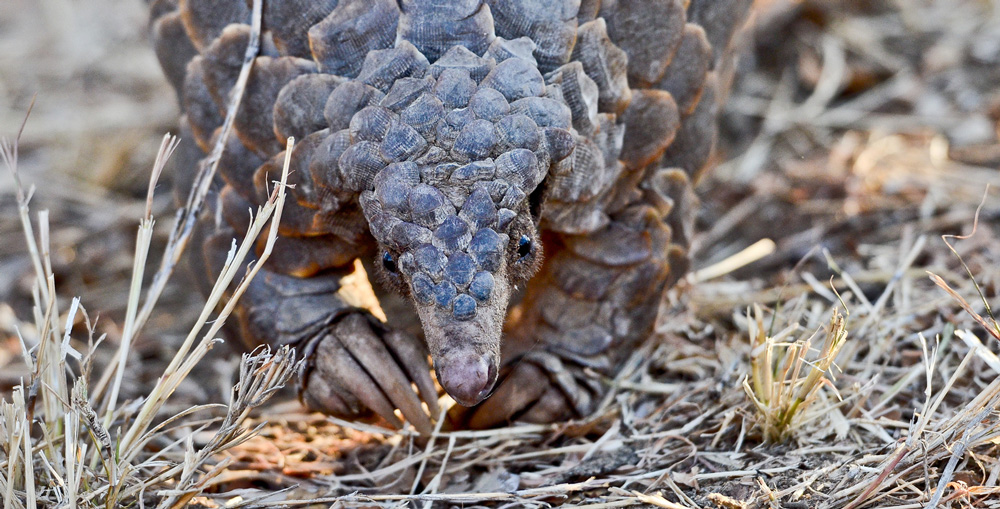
x,y
468,379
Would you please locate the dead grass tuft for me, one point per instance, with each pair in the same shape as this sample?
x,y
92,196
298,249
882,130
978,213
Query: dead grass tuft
x,y
66,444
78,458
784,382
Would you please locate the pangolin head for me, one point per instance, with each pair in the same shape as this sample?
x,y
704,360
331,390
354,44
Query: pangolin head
x,y
450,165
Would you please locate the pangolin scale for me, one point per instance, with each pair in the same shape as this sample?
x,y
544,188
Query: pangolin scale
x,y
452,142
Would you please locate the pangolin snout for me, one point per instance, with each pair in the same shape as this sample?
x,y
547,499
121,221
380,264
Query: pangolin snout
x,y
466,352
467,376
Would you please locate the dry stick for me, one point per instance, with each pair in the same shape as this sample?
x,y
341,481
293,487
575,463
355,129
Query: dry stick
x,y
655,499
521,496
976,345
188,215
929,408
429,451
436,481
956,455
875,310
905,446
748,255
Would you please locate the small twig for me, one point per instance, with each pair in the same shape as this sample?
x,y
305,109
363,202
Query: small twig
x,y
187,216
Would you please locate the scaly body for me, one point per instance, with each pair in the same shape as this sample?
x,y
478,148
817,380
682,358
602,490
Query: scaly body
x,y
454,143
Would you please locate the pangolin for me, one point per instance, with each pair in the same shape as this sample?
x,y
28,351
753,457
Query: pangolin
x,y
451,143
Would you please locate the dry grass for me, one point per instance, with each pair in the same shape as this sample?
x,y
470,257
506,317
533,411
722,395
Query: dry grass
x,y
58,450
784,382
861,142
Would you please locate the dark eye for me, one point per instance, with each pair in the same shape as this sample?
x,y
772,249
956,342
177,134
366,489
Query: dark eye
x,y
389,262
524,246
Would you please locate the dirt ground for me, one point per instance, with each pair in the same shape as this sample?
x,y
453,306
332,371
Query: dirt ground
x,y
857,133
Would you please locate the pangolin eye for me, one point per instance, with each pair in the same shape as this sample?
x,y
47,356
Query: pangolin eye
x,y
389,262
524,246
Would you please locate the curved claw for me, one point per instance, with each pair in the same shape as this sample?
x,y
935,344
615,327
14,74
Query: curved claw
x,y
356,334
330,398
334,359
359,370
538,387
550,407
413,355
521,387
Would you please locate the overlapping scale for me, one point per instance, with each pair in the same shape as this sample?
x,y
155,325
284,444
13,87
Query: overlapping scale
x,y
685,76
570,85
460,57
205,20
173,47
299,107
501,49
254,122
203,114
346,100
469,161
382,68
289,21
695,139
648,31
222,61
342,40
651,121
237,167
434,26
550,24
604,63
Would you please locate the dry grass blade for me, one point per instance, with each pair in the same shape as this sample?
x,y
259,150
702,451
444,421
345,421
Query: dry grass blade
x,y
261,374
69,417
48,382
58,464
189,353
991,326
187,216
783,381
70,412
144,238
